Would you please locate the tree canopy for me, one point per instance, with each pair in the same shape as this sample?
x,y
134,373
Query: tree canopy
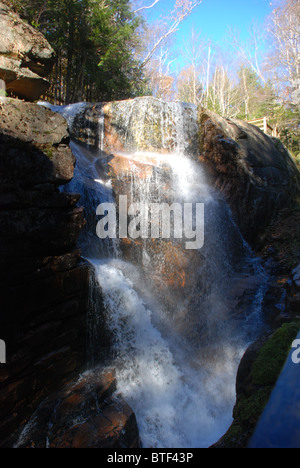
x,y
107,50
95,44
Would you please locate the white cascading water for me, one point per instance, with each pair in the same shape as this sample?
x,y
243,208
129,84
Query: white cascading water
x,y
176,355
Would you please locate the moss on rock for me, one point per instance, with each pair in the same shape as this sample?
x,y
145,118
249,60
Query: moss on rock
x,y
264,370
273,354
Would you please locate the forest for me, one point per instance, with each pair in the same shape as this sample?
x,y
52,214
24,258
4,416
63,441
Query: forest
x,y
112,49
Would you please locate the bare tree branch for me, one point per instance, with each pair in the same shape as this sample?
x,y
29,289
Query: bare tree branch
x,y
172,29
146,7
250,56
285,29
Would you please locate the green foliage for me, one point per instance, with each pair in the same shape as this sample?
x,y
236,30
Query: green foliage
x,y
257,98
261,100
248,410
113,34
273,355
264,374
94,42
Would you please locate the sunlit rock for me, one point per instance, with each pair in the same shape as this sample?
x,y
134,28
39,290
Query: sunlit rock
x,y
26,58
142,124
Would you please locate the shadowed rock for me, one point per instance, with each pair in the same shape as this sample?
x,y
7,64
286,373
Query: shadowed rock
x,y
34,145
84,414
44,281
254,172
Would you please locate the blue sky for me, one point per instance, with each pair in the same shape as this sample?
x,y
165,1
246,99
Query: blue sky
x,y
213,19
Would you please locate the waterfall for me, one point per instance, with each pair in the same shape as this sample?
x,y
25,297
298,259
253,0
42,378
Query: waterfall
x,y
176,335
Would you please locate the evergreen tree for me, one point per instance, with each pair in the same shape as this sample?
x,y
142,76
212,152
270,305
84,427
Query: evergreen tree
x,y
94,43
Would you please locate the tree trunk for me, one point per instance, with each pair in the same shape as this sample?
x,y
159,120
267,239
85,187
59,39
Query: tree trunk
x,y
70,52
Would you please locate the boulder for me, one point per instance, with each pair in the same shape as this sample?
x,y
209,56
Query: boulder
x,y
254,172
34,145
257,376
86,413
26,58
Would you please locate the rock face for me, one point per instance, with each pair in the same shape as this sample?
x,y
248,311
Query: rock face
x,y
146,126
26,58
257,375
254,172
141,124
86,413
135,143
44,284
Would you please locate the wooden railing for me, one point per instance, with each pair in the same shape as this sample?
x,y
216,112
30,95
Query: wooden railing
x,y
264,126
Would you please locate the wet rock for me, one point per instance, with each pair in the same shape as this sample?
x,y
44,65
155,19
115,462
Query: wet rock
x,y
131,135
254,172
241,294
167,264
26,58
141,124
294,292
84,414
257,375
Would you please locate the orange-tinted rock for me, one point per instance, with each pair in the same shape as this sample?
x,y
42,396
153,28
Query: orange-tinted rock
x,y
84,414
141,124
26,58
170,261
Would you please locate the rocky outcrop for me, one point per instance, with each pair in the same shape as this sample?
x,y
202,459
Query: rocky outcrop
x,y
46,133
254,172
86,413
44,283
26,58
141,124
257,375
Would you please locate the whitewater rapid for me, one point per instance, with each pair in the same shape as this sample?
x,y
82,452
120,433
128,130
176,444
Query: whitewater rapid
x,y
179,401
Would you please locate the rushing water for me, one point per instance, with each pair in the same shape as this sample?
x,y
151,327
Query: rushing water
x,y
176,346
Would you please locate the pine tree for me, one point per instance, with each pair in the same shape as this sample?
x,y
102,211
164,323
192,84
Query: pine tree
x,y
94,43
